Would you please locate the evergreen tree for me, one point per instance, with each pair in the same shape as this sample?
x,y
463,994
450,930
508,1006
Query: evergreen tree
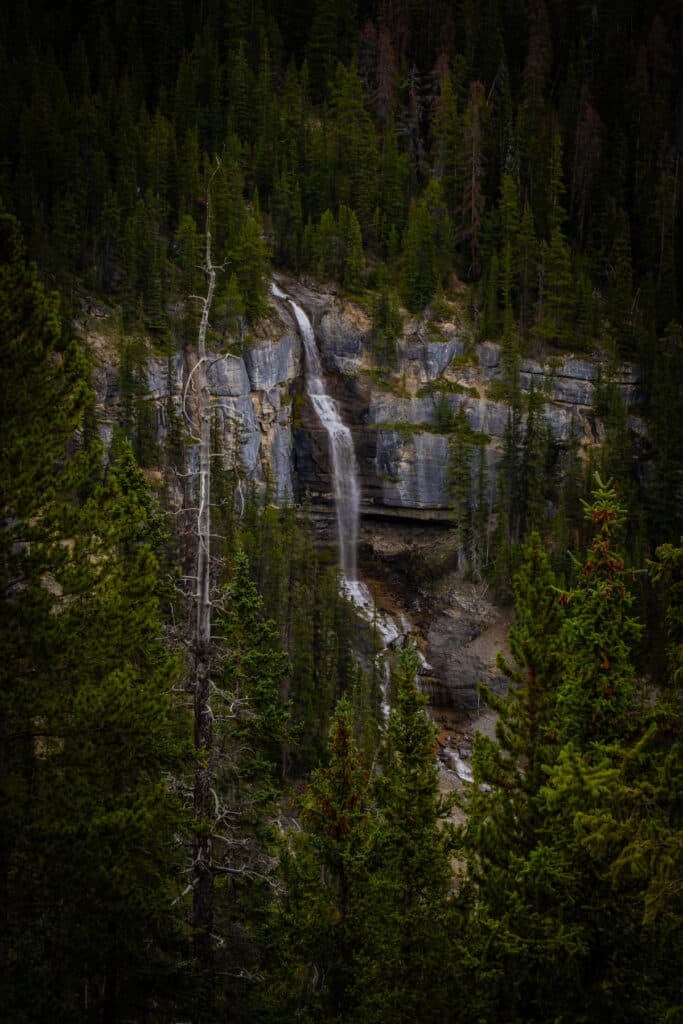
x,y
393,190
249,734
597,700
387,322
250,260
555,302
473,179
351,245
448,157
419,279
527,247
535,469
503,835
356,158
405,910
92,862
316,929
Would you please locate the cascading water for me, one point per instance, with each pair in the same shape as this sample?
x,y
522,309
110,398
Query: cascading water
x,y
344,466
346,491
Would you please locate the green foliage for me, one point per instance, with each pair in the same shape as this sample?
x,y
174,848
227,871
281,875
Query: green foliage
x,y
406,912
335,248
597,696
419,254
367,878
387,322
315,931
555,301
249,260
89,727
250,725
391,143
571,827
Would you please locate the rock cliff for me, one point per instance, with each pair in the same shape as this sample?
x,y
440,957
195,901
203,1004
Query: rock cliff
x,y
399,416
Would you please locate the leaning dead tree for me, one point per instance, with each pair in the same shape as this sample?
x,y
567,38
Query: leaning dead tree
x,y
202,909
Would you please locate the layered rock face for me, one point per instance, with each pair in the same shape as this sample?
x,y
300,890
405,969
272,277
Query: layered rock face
x,y
399,415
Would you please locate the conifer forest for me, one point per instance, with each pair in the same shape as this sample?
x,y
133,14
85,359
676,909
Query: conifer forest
x,y
336,335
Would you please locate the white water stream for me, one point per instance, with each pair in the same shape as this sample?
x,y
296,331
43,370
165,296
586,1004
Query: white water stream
x,y
343,457
346,492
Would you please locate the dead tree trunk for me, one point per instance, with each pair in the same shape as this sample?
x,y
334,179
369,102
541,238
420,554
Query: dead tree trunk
x,y
201,637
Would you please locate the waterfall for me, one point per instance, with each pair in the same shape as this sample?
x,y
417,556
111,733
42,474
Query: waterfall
x,y
343,457
346,498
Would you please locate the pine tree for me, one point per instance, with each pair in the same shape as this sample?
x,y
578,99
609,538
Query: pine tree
x,y
556,293
394,188
534,467
665,511
356,157
387,322
508,936
249,734
316,929
510,226
597,700
250,260
448,133
405,911
419,278
351,246
89,729
527,247
620,294
550,932
489,321
473,179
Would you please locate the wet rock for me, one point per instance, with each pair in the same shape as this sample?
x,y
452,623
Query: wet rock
x,y
387,408
413,469
163,375
489,355
239,429
431,357
227,376
486,416
281,462
273,363
343,339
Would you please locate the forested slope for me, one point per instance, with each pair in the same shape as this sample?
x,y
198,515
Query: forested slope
x,y
518,162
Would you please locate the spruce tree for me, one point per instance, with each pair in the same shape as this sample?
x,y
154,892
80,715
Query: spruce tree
x,y
91,864
316,929
247,760
597,701
405,910
419,279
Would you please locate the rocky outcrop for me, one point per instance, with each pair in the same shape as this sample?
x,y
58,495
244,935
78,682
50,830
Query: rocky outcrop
x,y
273,363
399,415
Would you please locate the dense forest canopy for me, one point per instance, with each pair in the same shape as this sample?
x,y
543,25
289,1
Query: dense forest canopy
x,y
272,848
